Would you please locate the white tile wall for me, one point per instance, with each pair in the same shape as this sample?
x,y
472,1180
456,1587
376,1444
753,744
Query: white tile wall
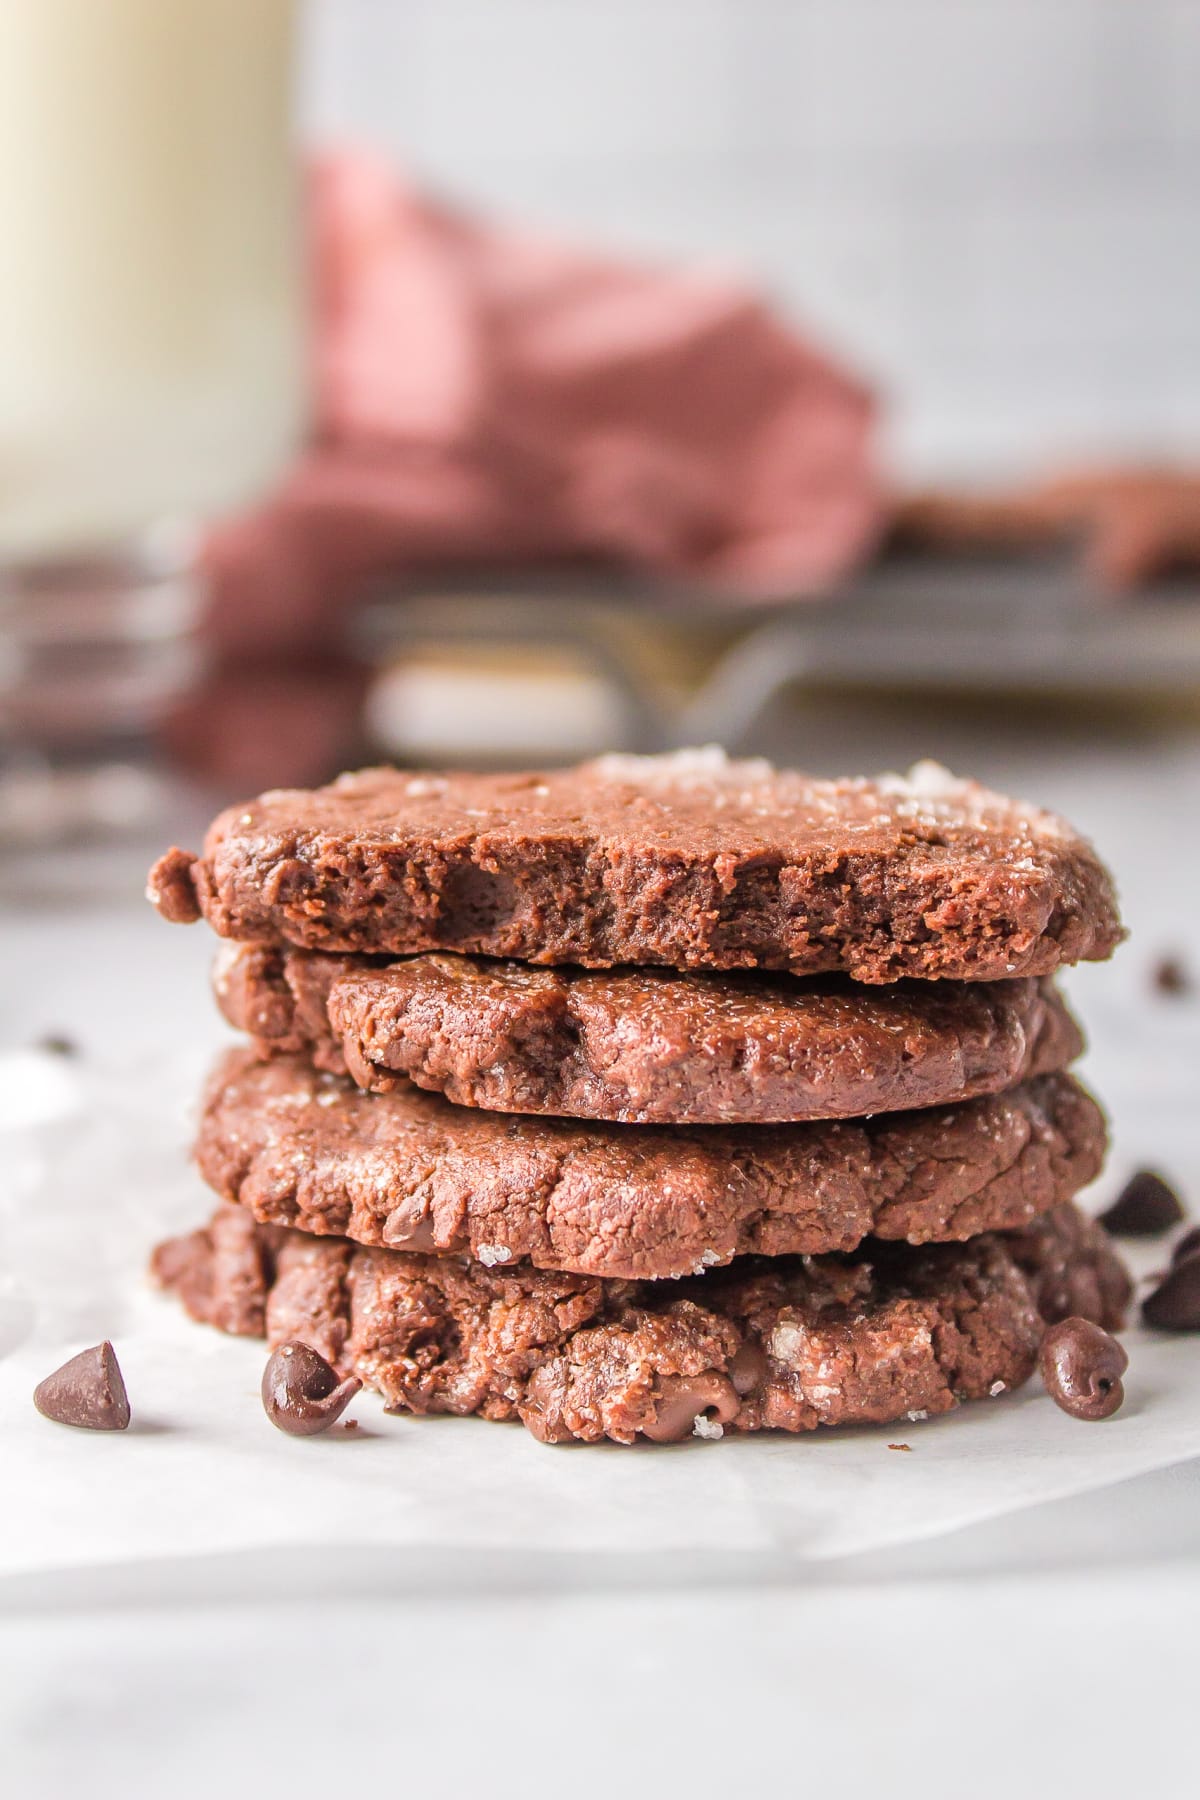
x,y
993,206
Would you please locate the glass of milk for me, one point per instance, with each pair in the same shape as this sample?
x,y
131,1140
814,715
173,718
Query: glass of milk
x,y
151,336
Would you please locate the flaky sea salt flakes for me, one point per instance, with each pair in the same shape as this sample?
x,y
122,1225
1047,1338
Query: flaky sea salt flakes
x,y
703,1427
927,780
491,1254
997,1387
785,1343
917,1416
707,764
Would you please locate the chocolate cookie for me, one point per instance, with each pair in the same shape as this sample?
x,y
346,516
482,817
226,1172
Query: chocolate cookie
x,y
646,1046
409,1170
892,1333
690,861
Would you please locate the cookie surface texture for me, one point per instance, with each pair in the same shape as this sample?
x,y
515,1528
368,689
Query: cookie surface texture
x,y
408,1170
688,861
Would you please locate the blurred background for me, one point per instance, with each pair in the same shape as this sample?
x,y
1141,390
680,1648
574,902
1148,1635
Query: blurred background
x,y
988,210
493,380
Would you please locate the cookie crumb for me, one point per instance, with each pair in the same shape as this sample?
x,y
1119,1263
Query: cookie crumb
x,y
900,1447
171,888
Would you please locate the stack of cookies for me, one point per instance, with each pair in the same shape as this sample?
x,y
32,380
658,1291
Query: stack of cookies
x,y
660,1097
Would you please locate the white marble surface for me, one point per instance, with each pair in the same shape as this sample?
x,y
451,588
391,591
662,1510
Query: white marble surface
x,y
1051,1650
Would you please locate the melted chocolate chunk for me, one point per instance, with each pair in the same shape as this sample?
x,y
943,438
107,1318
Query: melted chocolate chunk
x,y
684,1404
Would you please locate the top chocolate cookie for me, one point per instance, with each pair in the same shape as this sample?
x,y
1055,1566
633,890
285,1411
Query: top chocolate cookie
x,y
690,861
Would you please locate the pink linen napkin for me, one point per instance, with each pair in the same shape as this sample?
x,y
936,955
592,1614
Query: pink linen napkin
x,y
485,396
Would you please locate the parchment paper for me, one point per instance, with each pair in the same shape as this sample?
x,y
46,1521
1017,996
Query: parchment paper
x,y
95,1171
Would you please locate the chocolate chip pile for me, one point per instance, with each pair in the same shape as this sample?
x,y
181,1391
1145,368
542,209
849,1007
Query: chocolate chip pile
x,y
659,1098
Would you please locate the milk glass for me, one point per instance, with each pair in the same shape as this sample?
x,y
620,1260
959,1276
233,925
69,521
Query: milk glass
x,y
151,335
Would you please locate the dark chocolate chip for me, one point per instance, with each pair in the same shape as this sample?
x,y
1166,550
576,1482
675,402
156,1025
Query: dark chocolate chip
x,y
681,1399
1175,1303
1172,976
302,1393
57,1043
88,1391
1188,1245
1145,1207
1082,1368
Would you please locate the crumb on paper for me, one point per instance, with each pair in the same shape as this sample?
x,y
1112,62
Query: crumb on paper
x,y
899,1446
350,1425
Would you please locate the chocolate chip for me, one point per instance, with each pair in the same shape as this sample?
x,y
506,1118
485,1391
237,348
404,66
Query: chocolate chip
x,y
1082,1368
682,1399
1171,975
88,1391
1145,1207
1175,1303
1188,1245
301,1392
